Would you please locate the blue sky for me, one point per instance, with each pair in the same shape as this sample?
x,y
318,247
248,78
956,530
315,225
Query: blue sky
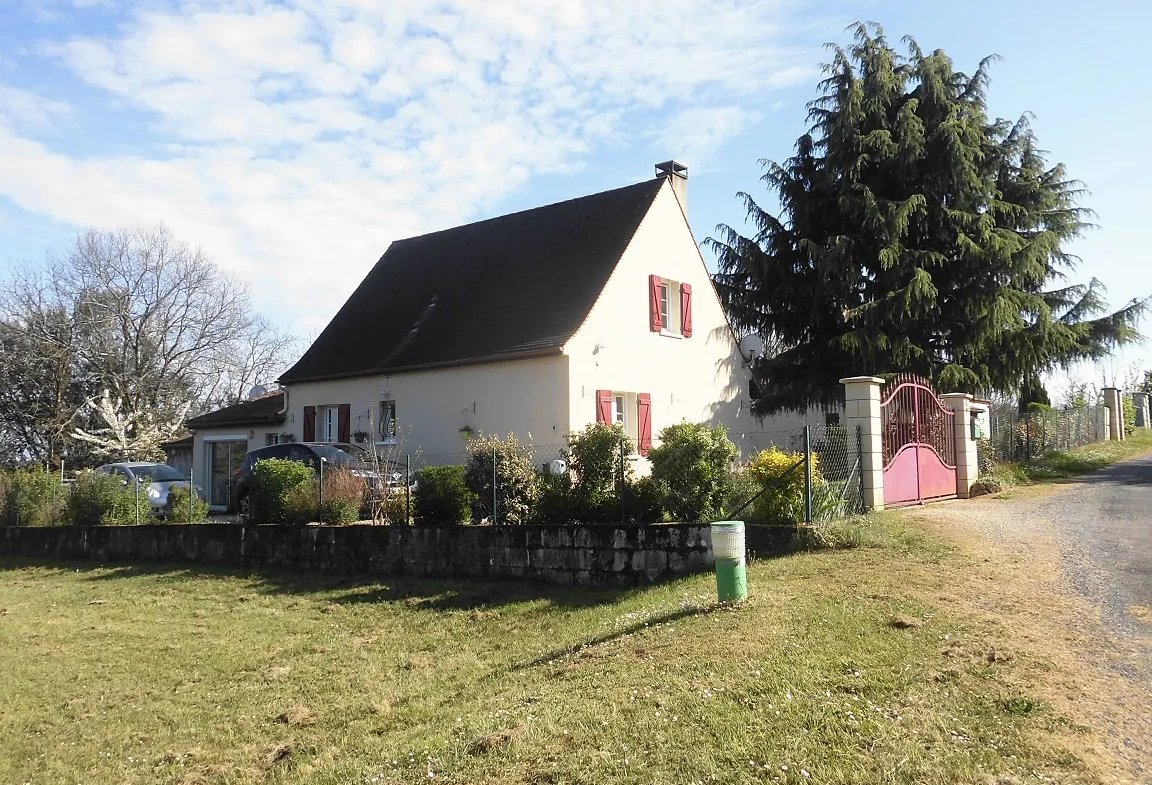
x,y
294,140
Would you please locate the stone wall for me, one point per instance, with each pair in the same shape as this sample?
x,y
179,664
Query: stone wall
x,y
589,555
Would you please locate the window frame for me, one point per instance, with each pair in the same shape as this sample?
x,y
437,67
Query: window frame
x,y
670,303
327,415
387,434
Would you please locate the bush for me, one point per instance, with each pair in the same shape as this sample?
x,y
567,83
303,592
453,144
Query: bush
x,y
299,504
390,507
344,496
643,501
179,499
104,500
33,497
442,496
557,503
517,486
692,467
742,489
594,457
1128,406
272,480
782,500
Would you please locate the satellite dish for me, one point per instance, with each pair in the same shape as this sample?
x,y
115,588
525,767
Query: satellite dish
x,y
752,347
257,391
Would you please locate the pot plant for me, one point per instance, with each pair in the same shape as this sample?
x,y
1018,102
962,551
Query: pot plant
x,y
360,436
466,432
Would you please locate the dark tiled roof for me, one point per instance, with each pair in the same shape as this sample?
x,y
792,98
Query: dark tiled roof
x,y
258,411
178,444
518,285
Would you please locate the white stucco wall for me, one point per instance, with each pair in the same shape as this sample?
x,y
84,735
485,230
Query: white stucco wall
x,y
696,379
522,396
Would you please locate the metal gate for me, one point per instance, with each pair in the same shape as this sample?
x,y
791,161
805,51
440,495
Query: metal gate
x,y
919,440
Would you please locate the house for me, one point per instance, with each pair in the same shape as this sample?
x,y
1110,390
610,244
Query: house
x,y
536,323
178,454
221,438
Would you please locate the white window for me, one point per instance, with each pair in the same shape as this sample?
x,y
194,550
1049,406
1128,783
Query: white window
x,y
271,438
670,307
618,409
388,421
328,424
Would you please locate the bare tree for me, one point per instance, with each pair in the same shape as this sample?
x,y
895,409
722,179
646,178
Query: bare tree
x,y
149,326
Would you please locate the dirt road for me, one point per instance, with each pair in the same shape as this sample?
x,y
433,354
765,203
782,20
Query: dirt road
x,y
1065,572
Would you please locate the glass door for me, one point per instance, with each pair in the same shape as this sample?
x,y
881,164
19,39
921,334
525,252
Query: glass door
x,y
223,458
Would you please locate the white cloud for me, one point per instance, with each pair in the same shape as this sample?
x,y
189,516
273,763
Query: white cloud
x,y
26,110
302,136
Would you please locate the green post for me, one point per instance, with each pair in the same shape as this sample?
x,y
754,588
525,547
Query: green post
x,y
731,566
493,486
807,474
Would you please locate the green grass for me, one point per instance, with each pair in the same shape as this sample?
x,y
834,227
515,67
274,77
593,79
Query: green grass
x,y
137,674
1076,462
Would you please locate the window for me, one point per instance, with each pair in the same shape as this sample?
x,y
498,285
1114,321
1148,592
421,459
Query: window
x,y
271,438
832,419
618,410
669,307
388,421
633,411
328,424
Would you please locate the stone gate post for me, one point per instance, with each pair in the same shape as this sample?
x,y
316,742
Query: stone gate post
x,y
1114,400
862,408
967,464
1141,401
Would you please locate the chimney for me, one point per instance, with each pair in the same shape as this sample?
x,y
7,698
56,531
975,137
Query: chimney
x,y
677,174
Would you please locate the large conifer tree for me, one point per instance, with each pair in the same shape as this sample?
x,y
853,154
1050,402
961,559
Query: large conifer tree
x,y
916,235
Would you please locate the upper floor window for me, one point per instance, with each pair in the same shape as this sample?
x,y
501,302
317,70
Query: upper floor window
x,y
669,306
388,420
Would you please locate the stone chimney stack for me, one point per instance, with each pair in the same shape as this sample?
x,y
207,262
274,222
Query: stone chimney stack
x,y
677,174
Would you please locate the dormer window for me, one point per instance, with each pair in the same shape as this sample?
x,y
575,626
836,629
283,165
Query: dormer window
x,y
669,307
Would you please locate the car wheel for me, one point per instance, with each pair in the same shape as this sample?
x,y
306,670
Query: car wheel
x,y
244,507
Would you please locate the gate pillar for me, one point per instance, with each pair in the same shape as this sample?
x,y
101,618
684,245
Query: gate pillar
x,y
967,462
1114,400
862,409
1141,401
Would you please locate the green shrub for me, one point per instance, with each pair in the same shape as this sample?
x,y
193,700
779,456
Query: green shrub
x,y
594,457
693,469
390,507
442,496
643,501
1129,408
272,480
300,504
344,494
104,500
556,504
516,484
782,497
179,499
33,497
742,489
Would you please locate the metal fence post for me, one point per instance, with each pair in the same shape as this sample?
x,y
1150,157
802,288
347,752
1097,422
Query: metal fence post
x,y
408,489
191,490
320,512
493,486
807,474
136,496
620,497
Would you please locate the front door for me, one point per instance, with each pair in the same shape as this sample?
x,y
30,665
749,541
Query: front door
x,y
224,457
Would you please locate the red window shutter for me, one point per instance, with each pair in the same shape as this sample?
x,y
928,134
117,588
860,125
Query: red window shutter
x,y
655,318
343,427
686,310
309,424
604,406
644,416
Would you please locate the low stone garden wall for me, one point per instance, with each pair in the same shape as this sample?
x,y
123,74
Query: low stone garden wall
x,y
576,554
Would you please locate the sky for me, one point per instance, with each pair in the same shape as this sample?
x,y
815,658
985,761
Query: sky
x,y
293,140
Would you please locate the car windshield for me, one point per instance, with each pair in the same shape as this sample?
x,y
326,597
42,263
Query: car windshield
x,y
344,455
158,472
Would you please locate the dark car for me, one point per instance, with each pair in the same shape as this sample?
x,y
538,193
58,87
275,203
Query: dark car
x,y
335,454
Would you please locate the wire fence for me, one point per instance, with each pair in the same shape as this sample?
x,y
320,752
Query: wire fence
x,y
1023,436
693,481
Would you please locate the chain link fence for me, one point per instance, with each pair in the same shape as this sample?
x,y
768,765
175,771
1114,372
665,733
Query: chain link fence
x,y
694,481
1023,436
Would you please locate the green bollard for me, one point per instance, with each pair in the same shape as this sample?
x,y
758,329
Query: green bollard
x,y
731,567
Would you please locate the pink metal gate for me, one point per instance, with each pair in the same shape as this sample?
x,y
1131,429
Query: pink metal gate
x,y
919,440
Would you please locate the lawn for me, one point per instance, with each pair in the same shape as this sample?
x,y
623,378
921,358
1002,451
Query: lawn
x,y
841,668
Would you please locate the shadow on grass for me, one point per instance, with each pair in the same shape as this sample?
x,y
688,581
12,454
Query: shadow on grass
x,y
638,626
432,594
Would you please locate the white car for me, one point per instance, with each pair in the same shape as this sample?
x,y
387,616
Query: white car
x,y
156,480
